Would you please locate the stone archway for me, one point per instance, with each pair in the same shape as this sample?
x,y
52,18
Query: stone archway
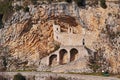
x,y
73,54
63,56
53,60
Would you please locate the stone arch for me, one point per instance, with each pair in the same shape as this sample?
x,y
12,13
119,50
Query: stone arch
x,y
53,60
63,56
73,54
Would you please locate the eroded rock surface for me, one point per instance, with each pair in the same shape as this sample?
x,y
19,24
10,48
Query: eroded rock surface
x,y
29,35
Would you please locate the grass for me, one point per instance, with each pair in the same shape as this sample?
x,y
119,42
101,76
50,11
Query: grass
x,y
95,74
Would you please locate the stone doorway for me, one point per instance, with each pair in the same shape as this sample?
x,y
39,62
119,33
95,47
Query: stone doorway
x,y
53,60
73,54
63,56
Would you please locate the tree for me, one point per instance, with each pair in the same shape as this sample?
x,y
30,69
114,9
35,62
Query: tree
x,y
103,4
19,77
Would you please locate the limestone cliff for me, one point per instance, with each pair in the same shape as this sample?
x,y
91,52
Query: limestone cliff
x,y
28,36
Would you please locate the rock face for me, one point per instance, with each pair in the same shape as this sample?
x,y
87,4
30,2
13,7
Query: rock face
x,y
29,35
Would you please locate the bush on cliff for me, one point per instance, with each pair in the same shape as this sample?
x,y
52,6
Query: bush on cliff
x,y
34,2
80,3
55,78
18,8
19,77
61,78
26,9
69,1
6,9
103,4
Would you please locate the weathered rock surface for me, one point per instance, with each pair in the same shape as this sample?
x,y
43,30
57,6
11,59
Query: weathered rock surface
x,y
29,36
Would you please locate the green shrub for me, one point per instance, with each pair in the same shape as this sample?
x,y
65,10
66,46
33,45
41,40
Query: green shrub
x,y
6,9
61,78
103,4
1,24
26,9
17,7
80,2
34,1
19,77
69,1
6,6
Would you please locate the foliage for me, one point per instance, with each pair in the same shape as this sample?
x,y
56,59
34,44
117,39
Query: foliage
x,y
103,4
26,9
61,78
54,78
98,62
34,2
6,9
4,61
4,6
1,24
57,46
19,77
18,8
93,2
69,1
111,34
80,2
4,56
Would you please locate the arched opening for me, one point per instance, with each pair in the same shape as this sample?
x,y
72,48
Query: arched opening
x,y
63,56
53,60
73,54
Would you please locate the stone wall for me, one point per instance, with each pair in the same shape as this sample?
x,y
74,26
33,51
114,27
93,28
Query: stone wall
x,y
74,39
63,58
67,38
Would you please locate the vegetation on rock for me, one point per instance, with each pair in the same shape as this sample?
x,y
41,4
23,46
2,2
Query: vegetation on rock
x,y
98,62
80,2
6,9
19,77
103,4
26,9
69,1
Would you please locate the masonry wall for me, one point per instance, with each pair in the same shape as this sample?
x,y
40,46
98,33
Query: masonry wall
x,y
66,38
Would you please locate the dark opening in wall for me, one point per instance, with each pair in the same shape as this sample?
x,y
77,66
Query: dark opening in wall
x,y
63,56
53,60
83,41
1,23
73,54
